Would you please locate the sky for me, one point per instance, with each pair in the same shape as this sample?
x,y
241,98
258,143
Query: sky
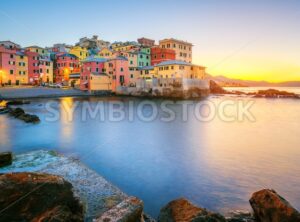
x,y
243,39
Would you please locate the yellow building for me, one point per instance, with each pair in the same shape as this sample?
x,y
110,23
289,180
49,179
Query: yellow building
x,y
182,49
38,50
105,53
46,70
21,68
81,52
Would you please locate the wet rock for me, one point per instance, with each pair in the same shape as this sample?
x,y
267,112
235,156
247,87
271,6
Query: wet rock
x,y
38,197
20,114
268,206
28,118
17,102
17,112
129,210
216,89
5,159
182,210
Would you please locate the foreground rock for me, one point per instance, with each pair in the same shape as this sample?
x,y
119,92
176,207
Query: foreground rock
x,y
5,159
268,206
19,113
38,197
129,210
182,210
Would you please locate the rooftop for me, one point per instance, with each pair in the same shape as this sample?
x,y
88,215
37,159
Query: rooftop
x,y
94,59
176,40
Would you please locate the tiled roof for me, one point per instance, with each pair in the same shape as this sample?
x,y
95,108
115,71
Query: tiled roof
x,y
176,40
67,55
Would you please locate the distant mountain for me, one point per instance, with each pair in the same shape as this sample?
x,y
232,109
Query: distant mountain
x,y
225,81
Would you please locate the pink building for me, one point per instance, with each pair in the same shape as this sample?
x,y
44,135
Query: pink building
x,y
7,66
91,66
65,65
33,67
119,70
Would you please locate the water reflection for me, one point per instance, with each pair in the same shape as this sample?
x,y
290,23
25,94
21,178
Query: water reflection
x,y
215,164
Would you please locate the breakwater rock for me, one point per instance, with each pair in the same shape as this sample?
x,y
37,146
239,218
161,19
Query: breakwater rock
x,y
5,159
37,197
268,206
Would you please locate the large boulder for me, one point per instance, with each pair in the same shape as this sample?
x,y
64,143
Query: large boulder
x,y
5,159
182,210
20,114
129,210
268,206
38,197
215,88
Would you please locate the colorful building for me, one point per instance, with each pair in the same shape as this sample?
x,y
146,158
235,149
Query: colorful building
x,y
146,42
65,65
176,73
159,55
7,66
92,73
143,57
183,50
45,70
81,52
10,45
118,69
37,49
21,68
124,46
105,53
33,67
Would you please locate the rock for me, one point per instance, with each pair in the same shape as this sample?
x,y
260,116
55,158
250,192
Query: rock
x,y
20,114
17,102
38,197
216,89
4,110
129,210
268,206
5,159
29,118
274,93
182,210
17,112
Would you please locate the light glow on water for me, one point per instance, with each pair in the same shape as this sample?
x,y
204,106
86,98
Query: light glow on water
x,y
215,164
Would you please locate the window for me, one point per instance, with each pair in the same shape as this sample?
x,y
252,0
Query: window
x,y
11,56
172,67
122,69
36,50
21,57
47,70
11,72
131,76
168,45
174,45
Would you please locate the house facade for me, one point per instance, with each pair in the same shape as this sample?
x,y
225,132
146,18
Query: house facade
x,y
21,68
7,66
81,52
65,65
159,55
183,50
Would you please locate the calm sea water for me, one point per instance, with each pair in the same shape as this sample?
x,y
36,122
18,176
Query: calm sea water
x,y
215,164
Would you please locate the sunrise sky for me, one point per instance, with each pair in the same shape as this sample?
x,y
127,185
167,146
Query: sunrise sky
x,y
255,40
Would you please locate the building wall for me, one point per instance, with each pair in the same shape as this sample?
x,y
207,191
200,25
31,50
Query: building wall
x,y
40,51
159,55
100,82
33,67
146,42
182,49
143,59
22,69
46,71
7,66
118,69
86,71
65,65
81,52
105,53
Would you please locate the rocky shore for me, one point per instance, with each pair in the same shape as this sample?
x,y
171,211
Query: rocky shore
x,y
269,93
18,113
45,186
